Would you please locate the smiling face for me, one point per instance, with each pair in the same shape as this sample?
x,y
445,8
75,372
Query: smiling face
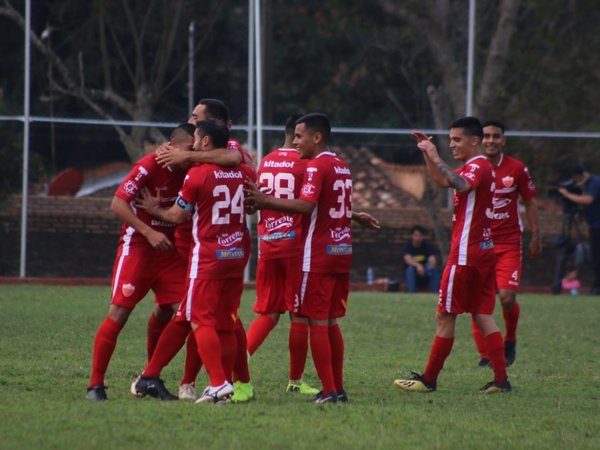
x,y
463,147
493,141
306,141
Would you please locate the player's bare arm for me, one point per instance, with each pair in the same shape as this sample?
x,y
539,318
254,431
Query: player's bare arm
x,y
170,155
531,213
366,220
254,198
123,211
175,214
580,199
441,172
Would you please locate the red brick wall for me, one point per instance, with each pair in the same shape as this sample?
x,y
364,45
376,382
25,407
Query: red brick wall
x,y
77,237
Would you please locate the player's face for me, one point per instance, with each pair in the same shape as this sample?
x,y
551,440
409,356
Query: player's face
x,y
304,141
198,114
493,140
463,147
198,141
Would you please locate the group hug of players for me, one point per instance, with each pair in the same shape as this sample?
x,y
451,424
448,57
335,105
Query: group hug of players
x,y
185,237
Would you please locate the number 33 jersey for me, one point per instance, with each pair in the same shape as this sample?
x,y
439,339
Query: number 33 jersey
x,y
327,244
215,196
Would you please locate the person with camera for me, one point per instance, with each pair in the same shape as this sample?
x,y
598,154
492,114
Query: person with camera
x,y
589,199
513,184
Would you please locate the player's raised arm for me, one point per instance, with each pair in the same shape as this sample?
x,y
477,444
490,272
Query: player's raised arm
x,y
442,173
123,211
169,155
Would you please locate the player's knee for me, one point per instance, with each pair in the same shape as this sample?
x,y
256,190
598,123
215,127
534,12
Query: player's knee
x,y
508,299
119,314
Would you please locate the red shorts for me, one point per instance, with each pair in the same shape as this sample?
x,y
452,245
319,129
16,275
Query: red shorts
x,y
213,303
508,266
468,289
323,295
277,283
139,268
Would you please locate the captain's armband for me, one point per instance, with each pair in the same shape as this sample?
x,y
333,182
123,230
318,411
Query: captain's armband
x,y
184,205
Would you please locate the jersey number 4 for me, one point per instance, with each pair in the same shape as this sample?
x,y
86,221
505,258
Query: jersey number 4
x,y
227,205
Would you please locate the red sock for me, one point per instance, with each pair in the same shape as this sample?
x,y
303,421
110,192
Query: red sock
x,y
511,319
154,329
169,344
258,331
240,366
495,349
193,363
228,352
298,345
440,349
321,353
479,339
104,346
336,340
209,349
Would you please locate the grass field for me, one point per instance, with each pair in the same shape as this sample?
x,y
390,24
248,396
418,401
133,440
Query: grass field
x,y
45,352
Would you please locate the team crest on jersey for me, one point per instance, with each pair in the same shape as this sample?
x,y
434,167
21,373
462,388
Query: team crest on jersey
x,y
308,189
508,181
130,187
128,289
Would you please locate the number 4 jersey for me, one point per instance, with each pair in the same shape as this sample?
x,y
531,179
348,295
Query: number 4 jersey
x,y
280,174
327,238
215,196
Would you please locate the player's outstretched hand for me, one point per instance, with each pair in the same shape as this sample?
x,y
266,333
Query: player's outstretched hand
x,y
366,220
169,155
425,144
146,201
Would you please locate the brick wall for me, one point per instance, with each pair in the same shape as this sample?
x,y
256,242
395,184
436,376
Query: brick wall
x,y
77,237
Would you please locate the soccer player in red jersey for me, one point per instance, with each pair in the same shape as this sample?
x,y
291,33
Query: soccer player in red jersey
x,y
279,271
468,282
175,334
513,182
146,259
217,259
325,199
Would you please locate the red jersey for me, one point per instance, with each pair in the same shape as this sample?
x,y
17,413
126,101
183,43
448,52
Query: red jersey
x,y
183,231
280,174
221,240
512,180
327,239
473,211
159,181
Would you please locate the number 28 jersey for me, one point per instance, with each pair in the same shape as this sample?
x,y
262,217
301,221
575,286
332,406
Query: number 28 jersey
x,y
280,174
327,238
221,244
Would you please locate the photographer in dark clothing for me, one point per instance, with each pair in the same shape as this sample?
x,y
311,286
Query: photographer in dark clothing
x,y
589,199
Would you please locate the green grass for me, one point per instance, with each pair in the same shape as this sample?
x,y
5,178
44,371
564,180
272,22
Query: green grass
x,y
45,352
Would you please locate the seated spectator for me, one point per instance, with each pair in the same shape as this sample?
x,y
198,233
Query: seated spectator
x,y
421,264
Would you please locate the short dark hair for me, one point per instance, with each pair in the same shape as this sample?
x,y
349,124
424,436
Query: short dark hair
x,y
290,124
215,109
494,123
187,128
421,229
216,130
471,125
316,122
